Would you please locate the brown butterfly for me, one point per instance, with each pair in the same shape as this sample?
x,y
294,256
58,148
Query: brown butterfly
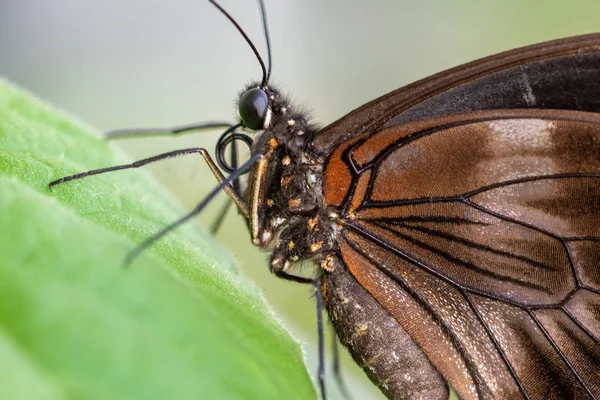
x,y
456,221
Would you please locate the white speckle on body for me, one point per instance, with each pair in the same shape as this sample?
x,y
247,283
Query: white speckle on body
x,y
275,222
266,236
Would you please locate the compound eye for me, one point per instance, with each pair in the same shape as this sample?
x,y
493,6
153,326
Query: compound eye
x,y
254,106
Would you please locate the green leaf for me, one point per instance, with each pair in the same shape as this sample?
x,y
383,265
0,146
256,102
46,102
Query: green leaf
x,y
179,323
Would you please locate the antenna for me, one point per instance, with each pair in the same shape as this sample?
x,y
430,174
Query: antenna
x,y
266,75
263,15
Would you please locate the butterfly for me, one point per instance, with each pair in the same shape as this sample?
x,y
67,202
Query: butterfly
x,y
454,223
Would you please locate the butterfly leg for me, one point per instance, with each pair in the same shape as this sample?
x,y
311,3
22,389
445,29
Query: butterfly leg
x,y
237,186
321,373
316,282
337,375
197,210
140,132
231,192
218,222
198,127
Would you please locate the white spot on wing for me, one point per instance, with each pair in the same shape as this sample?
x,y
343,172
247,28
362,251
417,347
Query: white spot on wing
x,y
528,95
532,132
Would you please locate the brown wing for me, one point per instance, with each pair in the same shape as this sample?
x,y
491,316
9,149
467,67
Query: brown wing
x,y
562,74
480,235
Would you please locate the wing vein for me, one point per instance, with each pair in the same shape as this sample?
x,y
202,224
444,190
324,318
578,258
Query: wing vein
x,y
560,353
475,245
466,264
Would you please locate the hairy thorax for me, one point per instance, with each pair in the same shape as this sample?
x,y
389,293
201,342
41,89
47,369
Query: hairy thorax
x,y
291,220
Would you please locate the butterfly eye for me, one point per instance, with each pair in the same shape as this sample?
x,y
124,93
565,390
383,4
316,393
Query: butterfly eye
x,y
254,107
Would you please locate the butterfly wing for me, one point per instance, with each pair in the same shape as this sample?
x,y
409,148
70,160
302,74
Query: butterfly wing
x,y
480,235
561,74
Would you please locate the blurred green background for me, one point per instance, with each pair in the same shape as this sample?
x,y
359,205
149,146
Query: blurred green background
x,y
149,63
